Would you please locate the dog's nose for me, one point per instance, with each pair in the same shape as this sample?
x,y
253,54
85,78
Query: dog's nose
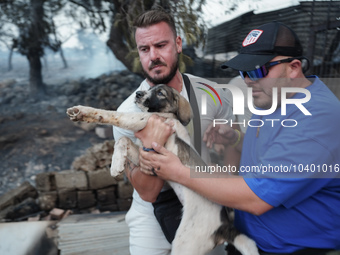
x,y
139,94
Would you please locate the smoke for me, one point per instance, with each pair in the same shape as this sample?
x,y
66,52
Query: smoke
x,y
89,58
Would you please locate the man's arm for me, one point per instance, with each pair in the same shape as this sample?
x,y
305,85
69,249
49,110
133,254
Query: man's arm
x,y
147,186
231,192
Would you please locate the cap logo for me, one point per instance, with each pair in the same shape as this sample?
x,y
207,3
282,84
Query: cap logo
x,y
252,37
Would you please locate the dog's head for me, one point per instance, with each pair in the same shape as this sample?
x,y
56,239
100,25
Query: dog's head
x,y
162,98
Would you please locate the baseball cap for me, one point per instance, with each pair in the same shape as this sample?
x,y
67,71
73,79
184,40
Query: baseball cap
x,y
264,43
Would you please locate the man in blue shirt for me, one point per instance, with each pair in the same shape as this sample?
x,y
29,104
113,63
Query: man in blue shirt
x,y
288,198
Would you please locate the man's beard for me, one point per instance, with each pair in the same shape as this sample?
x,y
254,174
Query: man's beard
x,y
165,79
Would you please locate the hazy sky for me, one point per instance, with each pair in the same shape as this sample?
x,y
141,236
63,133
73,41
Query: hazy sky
x,y
216,11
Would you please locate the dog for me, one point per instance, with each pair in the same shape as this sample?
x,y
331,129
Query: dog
x,y
204,223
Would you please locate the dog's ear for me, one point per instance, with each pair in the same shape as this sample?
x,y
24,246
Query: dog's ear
x,y
184,112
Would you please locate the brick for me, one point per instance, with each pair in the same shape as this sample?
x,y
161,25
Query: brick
x,y
100,179
106,196
48,200
67,199
125,190
71,180
86,199
18,195
45,181
57,213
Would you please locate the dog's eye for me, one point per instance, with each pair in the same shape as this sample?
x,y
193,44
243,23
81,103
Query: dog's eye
x,y
160,93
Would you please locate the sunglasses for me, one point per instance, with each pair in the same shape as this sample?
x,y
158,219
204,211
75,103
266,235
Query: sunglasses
x,y
263,71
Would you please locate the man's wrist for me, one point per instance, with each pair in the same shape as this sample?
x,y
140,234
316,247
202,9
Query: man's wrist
x,y
148,149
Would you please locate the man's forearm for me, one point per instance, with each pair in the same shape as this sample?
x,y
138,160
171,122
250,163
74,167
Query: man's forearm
x,y
147,186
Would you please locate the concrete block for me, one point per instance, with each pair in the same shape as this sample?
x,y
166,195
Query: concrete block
x,y
67,199
124,204
100,179
71,180
125,189
48,200
86,199
106,196
45,181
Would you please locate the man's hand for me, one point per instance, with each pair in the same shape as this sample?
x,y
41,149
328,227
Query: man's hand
x,y
220,134
156,130
164,163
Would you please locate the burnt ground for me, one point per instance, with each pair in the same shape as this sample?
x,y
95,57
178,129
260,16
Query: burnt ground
x,y
35,134
31,143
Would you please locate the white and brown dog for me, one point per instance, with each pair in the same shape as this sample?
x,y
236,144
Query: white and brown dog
x,y
201,229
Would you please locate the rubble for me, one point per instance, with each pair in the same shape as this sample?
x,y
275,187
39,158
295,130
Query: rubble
x,y
36,134
50,162
88,186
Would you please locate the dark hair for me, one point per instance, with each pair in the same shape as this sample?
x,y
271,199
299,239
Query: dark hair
x,y
153,17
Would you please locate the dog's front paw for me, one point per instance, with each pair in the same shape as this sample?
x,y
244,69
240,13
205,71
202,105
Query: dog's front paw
x,y
79,113
74,113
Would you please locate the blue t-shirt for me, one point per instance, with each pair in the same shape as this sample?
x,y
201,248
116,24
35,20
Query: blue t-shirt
x,y
306,211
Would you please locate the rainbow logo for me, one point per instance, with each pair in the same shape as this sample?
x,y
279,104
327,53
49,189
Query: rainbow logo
x,y
209,93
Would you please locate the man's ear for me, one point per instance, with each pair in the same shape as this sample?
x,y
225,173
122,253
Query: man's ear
x,y
295,68
179,44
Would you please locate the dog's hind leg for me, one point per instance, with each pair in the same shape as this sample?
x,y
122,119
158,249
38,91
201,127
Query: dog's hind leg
x,y
124,149
242,243
195,232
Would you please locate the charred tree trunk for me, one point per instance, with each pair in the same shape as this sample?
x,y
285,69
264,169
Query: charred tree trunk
x,y
37,86
35,49
63,58
10,60
118,47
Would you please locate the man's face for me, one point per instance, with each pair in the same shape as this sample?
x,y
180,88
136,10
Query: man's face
x,y
158,51
263,88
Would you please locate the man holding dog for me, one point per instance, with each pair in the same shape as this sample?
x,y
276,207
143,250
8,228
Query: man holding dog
x,y
285,213
158,47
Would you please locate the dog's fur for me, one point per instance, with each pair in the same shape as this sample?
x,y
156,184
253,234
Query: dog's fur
x,y
203,223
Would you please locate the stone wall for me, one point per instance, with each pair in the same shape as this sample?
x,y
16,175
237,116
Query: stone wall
x,y
87,186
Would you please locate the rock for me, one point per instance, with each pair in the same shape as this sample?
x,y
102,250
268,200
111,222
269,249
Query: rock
x,y
24,208
96,157
15,196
